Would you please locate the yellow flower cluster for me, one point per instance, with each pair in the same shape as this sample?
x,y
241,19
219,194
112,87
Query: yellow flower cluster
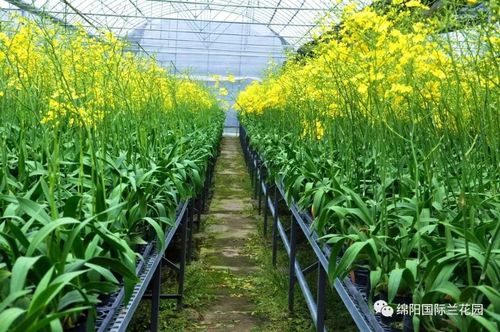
x,y
193,96
81,80
381,67
315,129
260,96
250,100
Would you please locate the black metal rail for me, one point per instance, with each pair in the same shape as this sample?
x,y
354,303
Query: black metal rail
x,y
115,314
271,195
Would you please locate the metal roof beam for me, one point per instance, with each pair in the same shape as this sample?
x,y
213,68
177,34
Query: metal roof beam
x,y
237,5
39,12
81,14
153,48
243,55
277,46
185,31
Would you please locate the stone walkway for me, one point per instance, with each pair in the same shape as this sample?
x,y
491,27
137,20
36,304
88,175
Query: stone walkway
x,y
230,224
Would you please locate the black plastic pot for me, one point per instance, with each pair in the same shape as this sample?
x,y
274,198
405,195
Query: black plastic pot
x,y
397,323
385,327
361,281
407,323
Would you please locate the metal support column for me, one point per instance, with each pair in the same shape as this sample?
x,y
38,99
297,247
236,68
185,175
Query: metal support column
x,y
293,254
259,189
275,227
256,183
266,198
205,189
252,170
198,213
155,299
182,263
321,299
190,218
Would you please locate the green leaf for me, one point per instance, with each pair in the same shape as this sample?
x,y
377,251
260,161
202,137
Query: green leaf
x,y
100,201
395,278
42,234
74,237
20,271
111,239
19,234
39,325
71,206
196,178
448,288
351,255
4,274
70,298
319,198
56,326
337,243
34,210
8,317
9,198
13,297
115,265
12,244
375,276
412,265
42,299
490,326
444,273
92,247
103,271
491,293
159,232
44,282
102,287
365,211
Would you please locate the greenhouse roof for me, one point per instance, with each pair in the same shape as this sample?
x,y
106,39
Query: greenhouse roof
x,y
290,19
204,36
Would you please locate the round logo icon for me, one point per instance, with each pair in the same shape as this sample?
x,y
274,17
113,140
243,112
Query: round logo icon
x,y
382,307
387,311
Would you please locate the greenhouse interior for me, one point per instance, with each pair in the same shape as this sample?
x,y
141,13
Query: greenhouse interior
x,y
253,165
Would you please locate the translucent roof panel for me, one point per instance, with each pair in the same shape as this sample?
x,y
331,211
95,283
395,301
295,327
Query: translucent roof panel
x,y
204,37
292,19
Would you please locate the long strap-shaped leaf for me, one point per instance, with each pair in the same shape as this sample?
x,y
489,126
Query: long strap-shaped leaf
x,y
20,271
46,230
8,317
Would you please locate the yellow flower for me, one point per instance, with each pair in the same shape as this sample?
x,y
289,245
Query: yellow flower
x,y
320,130
401,88
334,110
231,78
416,4
439,73
223,92
217,80
362,88
375,54
315,130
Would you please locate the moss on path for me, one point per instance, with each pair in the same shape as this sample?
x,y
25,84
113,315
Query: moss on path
x,y
224,248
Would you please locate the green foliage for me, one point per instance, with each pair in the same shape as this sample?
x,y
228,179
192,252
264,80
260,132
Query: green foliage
x,y
414,201
79,200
